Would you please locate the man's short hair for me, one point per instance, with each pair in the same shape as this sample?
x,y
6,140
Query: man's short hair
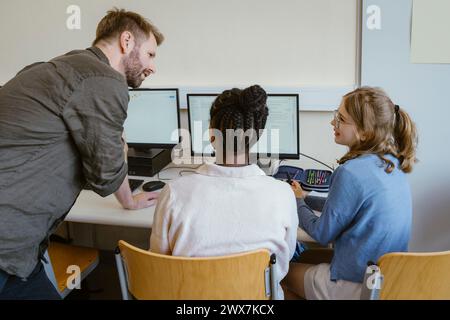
x,y
118,20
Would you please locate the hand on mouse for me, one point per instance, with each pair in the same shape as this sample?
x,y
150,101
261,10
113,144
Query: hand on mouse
x,y
144,200
299,192
134,202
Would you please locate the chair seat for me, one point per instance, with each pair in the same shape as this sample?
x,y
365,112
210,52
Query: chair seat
x,y
64,255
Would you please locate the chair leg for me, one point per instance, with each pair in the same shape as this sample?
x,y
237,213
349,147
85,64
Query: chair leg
x,y
122,275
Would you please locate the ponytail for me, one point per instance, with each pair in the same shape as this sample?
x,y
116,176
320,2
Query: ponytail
x,y
405,136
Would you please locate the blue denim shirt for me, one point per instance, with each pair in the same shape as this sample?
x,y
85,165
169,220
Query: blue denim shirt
x,y
368,213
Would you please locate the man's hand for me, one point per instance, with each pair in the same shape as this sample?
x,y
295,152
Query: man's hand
x,y
144,200
299,192
134,202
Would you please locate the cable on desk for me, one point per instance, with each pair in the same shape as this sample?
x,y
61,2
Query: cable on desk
x,y
179,173
162,179
181,167
182,171
322,163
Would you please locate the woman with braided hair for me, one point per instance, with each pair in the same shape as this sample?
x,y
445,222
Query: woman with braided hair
x,y
231,206
238,118
368,211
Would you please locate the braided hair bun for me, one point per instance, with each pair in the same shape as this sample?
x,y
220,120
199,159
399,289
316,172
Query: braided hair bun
x,y
245,110
240,109
253,99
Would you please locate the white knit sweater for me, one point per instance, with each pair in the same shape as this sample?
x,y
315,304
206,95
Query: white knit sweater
x,y
225,210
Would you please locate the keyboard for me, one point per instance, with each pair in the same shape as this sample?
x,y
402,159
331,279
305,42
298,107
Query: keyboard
x,y
309,179
134,184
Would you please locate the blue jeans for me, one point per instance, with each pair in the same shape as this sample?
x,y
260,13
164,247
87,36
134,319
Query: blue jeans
x,y
36,287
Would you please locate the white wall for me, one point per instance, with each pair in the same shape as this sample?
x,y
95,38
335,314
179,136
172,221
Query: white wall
x,y
209,42
423,91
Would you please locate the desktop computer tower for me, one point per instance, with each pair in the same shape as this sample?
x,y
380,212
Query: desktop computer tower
x,y
149,162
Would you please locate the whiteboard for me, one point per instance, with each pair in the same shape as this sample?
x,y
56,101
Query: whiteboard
x,y
302,44
430,28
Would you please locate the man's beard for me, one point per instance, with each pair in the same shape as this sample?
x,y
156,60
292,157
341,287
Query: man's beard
x,y
133,69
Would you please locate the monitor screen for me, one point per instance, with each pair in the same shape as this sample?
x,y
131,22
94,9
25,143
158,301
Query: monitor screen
x,y
153,118
282,142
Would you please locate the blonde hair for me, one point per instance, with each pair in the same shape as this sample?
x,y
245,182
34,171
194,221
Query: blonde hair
x,y
117,21
383,127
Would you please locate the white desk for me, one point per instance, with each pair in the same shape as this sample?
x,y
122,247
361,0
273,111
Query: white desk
x,y
93,209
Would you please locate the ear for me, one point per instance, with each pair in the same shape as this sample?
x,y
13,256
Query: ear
x,y
361,136
126,42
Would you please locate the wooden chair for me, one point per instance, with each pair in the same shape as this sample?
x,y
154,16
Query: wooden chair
x,y
150,276
61,256
409,276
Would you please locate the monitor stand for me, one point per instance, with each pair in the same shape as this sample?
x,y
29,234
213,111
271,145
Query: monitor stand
x,y
269,166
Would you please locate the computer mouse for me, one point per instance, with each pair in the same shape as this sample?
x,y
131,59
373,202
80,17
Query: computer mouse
x,y
153,186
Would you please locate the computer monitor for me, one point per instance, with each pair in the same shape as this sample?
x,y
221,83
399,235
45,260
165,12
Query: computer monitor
x,y
153,119
283,115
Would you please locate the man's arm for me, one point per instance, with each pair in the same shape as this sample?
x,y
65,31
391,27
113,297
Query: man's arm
x,y
124,194
94,117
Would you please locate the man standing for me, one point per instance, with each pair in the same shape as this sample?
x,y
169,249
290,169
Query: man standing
x,y
61,124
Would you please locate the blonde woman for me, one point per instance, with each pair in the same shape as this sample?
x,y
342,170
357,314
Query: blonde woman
x,y
368,210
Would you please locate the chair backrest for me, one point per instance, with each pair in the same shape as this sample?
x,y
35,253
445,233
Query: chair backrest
x,y
415,275
153,276
61,256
